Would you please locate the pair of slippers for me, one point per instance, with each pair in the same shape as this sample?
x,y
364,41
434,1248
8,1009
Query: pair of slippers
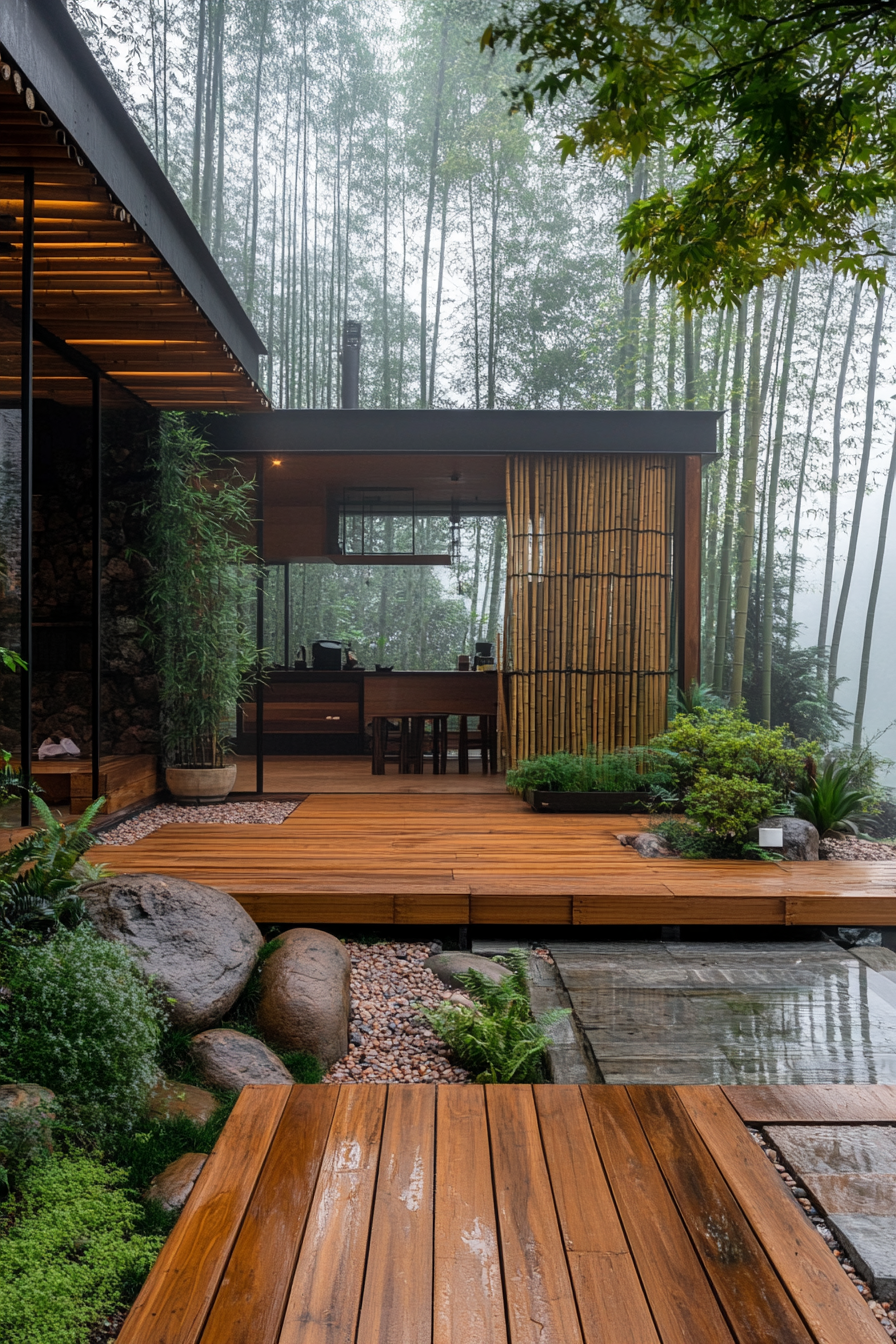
x,y
50,750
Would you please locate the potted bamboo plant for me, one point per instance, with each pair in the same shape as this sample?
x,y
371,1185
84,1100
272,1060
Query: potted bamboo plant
x,y
198,521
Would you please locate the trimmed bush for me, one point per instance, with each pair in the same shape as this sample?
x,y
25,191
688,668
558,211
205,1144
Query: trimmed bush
x,y
84,1023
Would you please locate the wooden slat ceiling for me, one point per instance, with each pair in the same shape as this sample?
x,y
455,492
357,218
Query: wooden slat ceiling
x,y
99,284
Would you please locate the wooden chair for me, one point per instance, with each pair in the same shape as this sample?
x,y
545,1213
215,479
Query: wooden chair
x,y
484,736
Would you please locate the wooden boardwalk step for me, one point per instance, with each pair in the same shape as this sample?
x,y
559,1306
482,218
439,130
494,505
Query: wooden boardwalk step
x,y
494,862
496,1215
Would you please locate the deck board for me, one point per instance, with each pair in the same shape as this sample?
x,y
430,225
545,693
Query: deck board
x,y
496,1215
488,859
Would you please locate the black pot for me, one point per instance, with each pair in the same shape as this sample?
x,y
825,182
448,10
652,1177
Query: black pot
x,y
550,800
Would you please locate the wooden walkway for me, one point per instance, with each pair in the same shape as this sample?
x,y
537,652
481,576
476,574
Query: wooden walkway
x,y
498,1215
456,859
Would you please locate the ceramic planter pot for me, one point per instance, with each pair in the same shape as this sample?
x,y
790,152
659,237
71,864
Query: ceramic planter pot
x,y
197,785
550,800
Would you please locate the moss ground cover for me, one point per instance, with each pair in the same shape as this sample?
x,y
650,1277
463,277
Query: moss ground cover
x,y
71,1250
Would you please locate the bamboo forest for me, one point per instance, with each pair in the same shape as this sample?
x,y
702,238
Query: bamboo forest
x,y
347,160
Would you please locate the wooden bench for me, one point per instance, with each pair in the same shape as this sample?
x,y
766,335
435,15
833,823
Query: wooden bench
x,y
124,780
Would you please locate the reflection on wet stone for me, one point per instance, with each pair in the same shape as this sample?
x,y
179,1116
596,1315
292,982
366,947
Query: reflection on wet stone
x,y
728,1013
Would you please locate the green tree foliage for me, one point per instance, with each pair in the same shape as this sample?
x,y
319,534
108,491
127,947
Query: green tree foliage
x,y
197,521
781,114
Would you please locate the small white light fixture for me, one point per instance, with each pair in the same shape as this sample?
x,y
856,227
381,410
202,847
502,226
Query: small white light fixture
x,y
771,837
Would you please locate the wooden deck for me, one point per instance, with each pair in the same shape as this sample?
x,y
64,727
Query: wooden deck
x,y
498,1215
486,860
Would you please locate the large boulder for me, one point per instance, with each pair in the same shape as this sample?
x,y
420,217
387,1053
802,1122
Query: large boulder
x,y
800,837
448,965
172,1187
231,1060
168,1099
306,994
197,943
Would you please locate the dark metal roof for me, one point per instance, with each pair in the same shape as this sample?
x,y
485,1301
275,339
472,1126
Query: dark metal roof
x,y
477,432
43,41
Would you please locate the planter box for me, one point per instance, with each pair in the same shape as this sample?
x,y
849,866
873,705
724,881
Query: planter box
x,y
550,800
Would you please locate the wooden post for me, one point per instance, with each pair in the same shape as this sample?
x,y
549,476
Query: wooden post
x,y
688,516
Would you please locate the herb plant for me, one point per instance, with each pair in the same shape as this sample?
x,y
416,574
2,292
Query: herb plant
x,y
498,1040
198,519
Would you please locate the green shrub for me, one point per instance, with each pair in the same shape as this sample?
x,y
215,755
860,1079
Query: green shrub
x,y
727,808
71,1254
725,743
625,771
498,1040
83,1022
830,802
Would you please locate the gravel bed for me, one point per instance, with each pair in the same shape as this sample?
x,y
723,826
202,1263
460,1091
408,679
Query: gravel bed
x,y
884,1311
851,847
390,1041
223,814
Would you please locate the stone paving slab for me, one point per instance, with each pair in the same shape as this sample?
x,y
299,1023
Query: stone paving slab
x,y
836,1149
854,1193
729,1013
870,1242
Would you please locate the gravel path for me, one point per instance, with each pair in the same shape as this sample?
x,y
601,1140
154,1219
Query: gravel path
x,y
851,847
224,814
390,1041
884,1311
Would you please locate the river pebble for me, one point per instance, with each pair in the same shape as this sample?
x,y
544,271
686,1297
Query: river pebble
x,y
851,847
389,1040
222,814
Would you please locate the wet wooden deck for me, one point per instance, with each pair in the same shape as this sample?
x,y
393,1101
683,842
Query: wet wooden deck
x,y
498,1215
486,860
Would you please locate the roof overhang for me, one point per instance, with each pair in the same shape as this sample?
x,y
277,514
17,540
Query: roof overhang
x,y
478,433
121,273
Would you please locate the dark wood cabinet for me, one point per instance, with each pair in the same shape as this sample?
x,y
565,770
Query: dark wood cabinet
x,y
324,713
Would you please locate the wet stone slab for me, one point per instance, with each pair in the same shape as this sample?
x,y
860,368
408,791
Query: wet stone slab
x,y
752,1013
870,1242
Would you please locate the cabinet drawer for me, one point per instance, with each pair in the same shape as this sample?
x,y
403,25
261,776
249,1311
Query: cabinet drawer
x,y
293,716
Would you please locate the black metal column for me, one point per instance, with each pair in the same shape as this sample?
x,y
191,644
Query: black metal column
x,y
96,607
27,450
286,614
259,625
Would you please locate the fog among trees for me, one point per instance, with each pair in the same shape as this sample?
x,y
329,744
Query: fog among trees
x,y
357,160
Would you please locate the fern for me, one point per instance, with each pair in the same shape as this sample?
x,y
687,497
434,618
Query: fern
x,y
497,1040
41,875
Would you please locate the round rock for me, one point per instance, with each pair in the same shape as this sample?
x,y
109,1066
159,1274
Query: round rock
x,y
231,1060
448,965
32,1107
306,994
800,837
198,943
168,1099
172,1187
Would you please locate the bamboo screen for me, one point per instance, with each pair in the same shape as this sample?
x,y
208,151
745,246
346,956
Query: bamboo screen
x,y
586,646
